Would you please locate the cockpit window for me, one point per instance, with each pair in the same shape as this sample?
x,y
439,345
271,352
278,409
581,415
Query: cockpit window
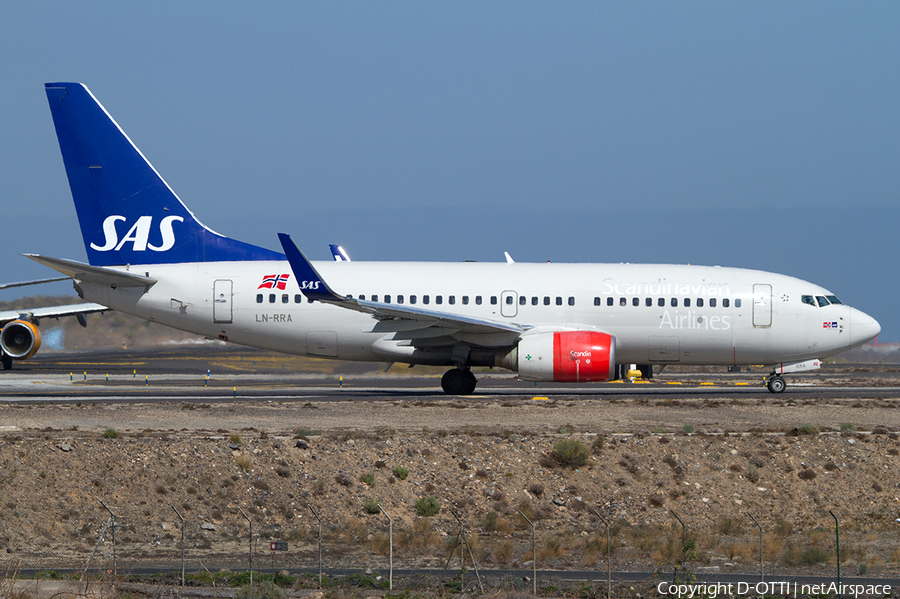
x,y
822,301
808,299
833,299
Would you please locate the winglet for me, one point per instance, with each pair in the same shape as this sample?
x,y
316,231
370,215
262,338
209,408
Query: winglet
x,y
311,284
338,253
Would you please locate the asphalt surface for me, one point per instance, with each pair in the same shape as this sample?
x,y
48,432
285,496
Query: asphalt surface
x,y
238,373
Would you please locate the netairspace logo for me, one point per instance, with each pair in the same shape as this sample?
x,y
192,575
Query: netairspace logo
x,y
783,588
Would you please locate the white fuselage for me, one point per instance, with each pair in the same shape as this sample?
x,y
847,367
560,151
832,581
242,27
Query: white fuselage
x,y
696,314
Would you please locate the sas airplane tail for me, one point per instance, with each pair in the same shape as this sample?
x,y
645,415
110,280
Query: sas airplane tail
x,y
127,212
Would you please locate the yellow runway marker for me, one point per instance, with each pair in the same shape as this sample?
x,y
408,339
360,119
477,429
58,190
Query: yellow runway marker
x,y
540,399
742,383
674,383
707,383
642,382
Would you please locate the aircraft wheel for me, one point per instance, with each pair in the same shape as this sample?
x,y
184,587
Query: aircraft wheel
x,y
7,362
458,382
776,384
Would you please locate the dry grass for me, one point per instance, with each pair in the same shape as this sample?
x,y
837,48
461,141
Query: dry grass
x,y
244,462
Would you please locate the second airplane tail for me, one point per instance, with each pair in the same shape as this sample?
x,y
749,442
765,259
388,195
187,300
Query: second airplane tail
x,y
127,212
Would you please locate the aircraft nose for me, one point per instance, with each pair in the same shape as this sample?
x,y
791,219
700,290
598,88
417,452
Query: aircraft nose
x,y
863,328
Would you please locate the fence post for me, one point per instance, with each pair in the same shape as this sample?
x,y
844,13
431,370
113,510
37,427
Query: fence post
x,y
251,544
762,577
115,560
465,541
391,548
533,554
182,543
837,549
683,543
608,556
320,541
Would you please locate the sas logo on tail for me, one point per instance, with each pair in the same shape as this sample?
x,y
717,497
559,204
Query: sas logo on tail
x,y
274,281
138,234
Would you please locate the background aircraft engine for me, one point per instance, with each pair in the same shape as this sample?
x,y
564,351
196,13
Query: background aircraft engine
x,y
20,339
566,356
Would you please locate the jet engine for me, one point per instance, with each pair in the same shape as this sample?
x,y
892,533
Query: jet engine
x,y
564,356
20,339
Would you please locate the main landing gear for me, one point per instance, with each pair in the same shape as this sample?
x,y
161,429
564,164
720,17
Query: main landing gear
x,y
458,381
775,383
7,361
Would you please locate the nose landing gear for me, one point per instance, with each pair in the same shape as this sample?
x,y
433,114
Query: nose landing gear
x,y
458,381
775,383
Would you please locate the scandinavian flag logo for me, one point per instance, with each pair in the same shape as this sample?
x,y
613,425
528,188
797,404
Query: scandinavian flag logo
x,y
274,281
829,325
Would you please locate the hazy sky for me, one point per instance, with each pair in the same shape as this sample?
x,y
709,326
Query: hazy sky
x,y
763,135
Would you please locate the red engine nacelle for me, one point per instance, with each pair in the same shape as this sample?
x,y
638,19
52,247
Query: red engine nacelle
x,y
564,356
20,339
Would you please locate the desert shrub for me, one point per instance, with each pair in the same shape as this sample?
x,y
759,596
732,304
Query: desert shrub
x,y
688,429
427,506
536,489
401,472
235,439
571,453
264,590
598,444
657,500
670,461
367,478
493,522
804,429
752,474
807,474
808,556
729,526
371,506
245,462
343,479
283,471
846,426
111,433
830,466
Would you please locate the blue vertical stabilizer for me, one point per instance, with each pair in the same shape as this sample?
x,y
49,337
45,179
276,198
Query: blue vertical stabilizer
x,y
128,213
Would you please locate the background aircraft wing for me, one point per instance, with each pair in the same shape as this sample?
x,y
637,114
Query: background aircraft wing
x,y
50,312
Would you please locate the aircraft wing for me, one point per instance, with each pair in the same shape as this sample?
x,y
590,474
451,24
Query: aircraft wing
x,y
36,282
93,274
392,318
51,312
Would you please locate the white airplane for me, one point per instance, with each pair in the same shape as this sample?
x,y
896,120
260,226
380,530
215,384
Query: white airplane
x,y
20,337
149,256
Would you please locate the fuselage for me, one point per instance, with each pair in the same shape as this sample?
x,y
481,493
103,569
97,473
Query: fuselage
x,y
658,313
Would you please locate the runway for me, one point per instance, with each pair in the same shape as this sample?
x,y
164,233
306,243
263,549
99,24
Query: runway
x,y
224,373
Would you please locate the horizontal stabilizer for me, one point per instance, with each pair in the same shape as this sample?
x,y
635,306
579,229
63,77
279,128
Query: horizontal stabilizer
x,y
35,282
93,274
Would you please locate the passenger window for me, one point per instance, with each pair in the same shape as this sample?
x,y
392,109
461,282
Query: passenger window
x,y
399,298
635,301
439,299
834,300
412,299
494,300
522,300
558,301
661,302
477,300
362,296
284,298
271,298
699,302
509,300
822,301
534,300
609,301
712,302
674,302
571,301
451,299
725,302
648,302
298,299
623,301
374,297
465,300
546,300
687,302
425,299
596,301
259,298
737,303
387,298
